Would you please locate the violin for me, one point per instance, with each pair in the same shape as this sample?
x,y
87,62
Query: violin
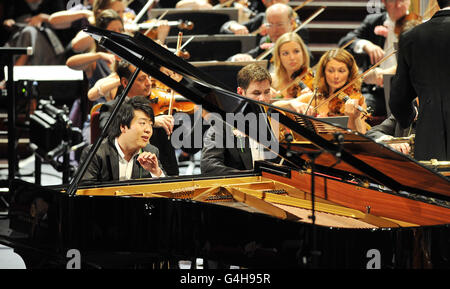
x,y
407,22
293,89
336,106
152,25
166,98
163,101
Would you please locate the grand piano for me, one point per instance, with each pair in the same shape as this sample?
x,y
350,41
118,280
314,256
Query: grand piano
x,y
338,199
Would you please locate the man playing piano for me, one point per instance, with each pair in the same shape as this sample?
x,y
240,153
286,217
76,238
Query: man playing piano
x,y
253,82
163,125
126,153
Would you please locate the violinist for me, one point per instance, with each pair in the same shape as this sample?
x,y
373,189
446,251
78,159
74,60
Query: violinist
x,y
83,42
291,59
193,4
292,76
374,39
280,18
337,68
258,23
99,63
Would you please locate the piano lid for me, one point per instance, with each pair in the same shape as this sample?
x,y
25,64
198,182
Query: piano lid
x,y
358,154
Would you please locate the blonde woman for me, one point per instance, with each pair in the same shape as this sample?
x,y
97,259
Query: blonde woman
x,y
291,61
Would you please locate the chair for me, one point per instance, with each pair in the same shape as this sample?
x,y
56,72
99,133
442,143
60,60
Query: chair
x,y
95,122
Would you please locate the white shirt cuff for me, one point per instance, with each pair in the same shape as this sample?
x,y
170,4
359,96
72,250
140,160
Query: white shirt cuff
x,y
359,45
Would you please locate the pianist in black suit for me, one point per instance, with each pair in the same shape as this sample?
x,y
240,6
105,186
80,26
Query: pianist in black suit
x,y
126,153
163,125
253,82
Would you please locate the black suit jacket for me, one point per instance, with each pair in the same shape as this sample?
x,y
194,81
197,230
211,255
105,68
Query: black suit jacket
x,y
224,161
105,164
389,126
159,139
423,70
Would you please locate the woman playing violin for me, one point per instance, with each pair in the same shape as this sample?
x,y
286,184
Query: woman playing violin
x,y
336,69
291,76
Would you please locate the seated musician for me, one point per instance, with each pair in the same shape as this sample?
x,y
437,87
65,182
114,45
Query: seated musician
x,y
193,4
163,123
291,62
337,68
390,129
280,19
219,159
126,153
83,42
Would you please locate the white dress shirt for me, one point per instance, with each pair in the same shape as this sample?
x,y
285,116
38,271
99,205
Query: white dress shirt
x,y
126,167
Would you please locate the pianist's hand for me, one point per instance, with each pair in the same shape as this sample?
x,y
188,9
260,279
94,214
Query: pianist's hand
x,y
150,163
401,147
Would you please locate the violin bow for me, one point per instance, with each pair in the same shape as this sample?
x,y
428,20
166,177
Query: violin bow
x,y
179,40
159,18
270,50
354,80
302,5
186,43
143,10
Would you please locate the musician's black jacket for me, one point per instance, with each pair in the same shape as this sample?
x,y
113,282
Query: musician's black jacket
x,y
158,139
423,71
389,126
105,163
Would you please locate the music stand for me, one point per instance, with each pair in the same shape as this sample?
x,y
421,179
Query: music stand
x,y
215,47
225,71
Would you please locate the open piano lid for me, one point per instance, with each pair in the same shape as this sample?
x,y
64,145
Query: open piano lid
x,y
358,154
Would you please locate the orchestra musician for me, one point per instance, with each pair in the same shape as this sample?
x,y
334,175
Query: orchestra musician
x,y
292,76
374,39
126,153
218,159
257,24
280,18
83,42
422,71
96,64
336,69
389,130
25,23
163,124
100,63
